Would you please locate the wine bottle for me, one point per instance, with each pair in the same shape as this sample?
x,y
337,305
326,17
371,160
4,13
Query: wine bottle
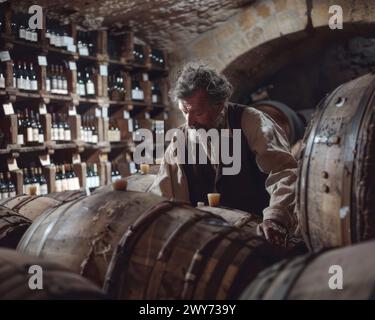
x,y
54,128
20,129
48,80
64,179
58,181
61,129
81,88
2,79
34,181
33,79
96,176
20,77
34,127
26,182
94,131
90,88
156,93
137,92
11,186
67,131
42,183
26,78
40,129
3,187
29,128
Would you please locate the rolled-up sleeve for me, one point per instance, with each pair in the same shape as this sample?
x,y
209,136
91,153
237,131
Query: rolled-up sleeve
x,y
272,151
170,181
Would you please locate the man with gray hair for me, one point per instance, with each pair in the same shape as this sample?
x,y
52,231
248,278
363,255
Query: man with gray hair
x,y
265,184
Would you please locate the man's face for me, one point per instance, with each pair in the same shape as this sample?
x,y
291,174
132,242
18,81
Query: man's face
x,y
198,111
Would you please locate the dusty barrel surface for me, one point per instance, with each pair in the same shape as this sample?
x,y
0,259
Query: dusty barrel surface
x,y
142,246
12,227
32,206
311,276
241,219
336,185
57,281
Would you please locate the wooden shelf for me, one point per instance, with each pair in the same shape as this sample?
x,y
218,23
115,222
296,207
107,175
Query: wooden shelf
x,y
91,58
88,100
57,97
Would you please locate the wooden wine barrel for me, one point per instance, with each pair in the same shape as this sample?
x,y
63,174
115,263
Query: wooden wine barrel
x,y
285,117
58,282
336,185
32,206
241,219
12,227
142,246
310,276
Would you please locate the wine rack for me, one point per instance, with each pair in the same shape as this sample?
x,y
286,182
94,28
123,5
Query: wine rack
x,y
98,85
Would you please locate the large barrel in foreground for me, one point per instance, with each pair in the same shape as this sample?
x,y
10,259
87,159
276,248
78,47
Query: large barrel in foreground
x,y
12,227
345,273
56,281
142,246
336,186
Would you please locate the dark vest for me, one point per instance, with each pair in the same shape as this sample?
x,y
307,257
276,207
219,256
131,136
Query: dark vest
x,y
244,191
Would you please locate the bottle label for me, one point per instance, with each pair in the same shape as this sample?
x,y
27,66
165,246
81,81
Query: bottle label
x,y
81,89
90,88
2,82
12,194
29,35
41,138
60,85
54,86
34,85
36,135
65,86
68,135
65,184
14,82
26,84
34,36
20,139
70,184
61,133
48,85
30,135
22,33
137,95
58,185
94,138
20,83
43,189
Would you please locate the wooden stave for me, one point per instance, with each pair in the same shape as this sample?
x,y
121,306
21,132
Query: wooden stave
x,y
32,206
93,267
12,227
306,277
58,282
336,231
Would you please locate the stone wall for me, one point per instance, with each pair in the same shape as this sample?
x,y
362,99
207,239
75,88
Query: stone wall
x,y
261,39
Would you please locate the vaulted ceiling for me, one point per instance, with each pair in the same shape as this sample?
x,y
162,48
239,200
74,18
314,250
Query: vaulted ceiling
x,y
168,23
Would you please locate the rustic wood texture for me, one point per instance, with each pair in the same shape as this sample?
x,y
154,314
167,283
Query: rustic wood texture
x,y
141,246
58,282
335,197
307,277
33,206
12,227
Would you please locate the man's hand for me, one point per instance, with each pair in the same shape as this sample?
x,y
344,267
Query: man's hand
x,y
274,232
